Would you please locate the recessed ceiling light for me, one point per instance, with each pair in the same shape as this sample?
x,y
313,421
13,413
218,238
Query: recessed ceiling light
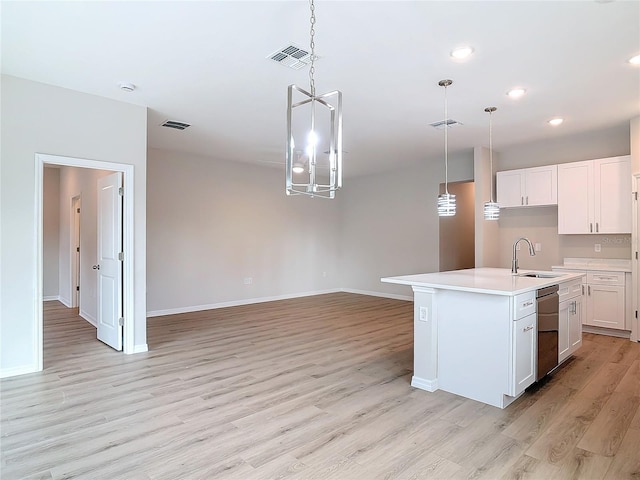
x,y
461,53
516,92
635,60
556,121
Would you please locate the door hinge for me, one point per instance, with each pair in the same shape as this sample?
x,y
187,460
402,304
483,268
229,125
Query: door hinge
x,y
636,313
78,210
77,288
77,249
636,255
121,321
121,191
635,195
121,256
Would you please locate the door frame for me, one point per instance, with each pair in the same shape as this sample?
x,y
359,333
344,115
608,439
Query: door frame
x,y
635,262
76,202
128,227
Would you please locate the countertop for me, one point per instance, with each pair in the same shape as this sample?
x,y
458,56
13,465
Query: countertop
x,y
595,264
493,281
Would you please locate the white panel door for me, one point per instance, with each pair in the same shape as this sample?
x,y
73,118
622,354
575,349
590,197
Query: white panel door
x,y
109,265
564,342
575,197
605,306
613,195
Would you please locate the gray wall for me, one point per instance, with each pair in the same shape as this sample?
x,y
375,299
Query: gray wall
x,y
213,223
50,233
39,118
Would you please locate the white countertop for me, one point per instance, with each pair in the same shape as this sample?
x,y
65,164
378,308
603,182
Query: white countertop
x,y
493,281
596,264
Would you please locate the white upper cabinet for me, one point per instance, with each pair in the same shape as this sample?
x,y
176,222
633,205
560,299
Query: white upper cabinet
x,y
595,196
527,187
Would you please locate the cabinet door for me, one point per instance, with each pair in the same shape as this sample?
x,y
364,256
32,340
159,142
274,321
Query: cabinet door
x,y
575,197
509,188
576,313
541,186
563,329
612,195
605,306
524,353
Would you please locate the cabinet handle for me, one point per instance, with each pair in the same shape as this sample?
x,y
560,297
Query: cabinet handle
x,y
591,228
582,289
574,307
521,200
526,329
527,199
597,227
589,289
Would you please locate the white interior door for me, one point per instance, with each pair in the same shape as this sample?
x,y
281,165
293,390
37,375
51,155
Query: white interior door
x,y
109,266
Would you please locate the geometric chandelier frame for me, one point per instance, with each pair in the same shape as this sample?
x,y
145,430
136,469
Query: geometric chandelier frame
x,y
314,143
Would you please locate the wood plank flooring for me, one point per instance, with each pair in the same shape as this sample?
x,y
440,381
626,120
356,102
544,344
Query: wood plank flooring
x,y
310,388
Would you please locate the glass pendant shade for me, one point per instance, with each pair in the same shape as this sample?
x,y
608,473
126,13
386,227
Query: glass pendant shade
x,y
314,130
491,211
446,205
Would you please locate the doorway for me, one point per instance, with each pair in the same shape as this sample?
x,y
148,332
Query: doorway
x,y
457,233
127,236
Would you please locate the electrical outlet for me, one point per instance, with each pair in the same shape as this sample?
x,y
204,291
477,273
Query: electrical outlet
x,y
424,314
538,247
248,280
598,247
324,274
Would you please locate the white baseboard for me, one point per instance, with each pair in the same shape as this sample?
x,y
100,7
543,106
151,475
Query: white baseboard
x,y
89,318
51,298
65,301
235,303
424,384
12,372
140,348
393,296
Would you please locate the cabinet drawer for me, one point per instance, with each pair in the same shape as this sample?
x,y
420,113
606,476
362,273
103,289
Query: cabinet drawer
x,y
571,289
605,278
524,304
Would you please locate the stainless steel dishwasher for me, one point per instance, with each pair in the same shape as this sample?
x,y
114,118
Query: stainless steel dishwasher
x,y
548,321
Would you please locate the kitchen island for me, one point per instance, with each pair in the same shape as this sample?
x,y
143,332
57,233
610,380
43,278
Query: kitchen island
x,y
475,330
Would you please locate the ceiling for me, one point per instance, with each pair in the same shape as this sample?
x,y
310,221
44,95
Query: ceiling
x,y
206,63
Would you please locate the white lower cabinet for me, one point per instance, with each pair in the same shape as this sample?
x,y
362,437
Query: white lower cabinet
x,y
524,343
605,306
570,321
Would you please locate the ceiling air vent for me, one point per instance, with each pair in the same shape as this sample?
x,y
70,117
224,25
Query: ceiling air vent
x,y
176,125
292,56
449,122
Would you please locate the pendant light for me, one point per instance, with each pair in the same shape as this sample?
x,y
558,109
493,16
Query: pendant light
x,y
491,208
446,201
314,123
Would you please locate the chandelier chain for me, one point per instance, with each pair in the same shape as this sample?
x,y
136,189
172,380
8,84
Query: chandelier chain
x,y
312,46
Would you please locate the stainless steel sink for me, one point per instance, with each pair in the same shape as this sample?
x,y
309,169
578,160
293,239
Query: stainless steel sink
x,y
539,275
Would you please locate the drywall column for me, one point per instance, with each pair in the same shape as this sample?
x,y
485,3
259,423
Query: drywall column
x,y
487,233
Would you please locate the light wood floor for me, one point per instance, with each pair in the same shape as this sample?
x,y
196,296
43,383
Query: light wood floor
x,y
312,388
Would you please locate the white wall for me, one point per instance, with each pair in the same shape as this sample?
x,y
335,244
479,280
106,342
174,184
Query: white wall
x,y
390,224
50,233
213,223
84,182
39,118
540,224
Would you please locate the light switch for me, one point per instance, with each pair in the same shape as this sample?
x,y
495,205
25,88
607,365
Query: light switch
x,y
598,247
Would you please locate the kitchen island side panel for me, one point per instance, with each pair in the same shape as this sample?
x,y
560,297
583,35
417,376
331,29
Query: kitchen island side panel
x,y
474,345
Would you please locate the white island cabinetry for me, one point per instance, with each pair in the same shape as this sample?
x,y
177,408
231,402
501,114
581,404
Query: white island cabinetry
x,y
571,312
475,332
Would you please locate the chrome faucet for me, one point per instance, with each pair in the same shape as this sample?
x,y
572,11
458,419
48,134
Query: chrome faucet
x,y
514,260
